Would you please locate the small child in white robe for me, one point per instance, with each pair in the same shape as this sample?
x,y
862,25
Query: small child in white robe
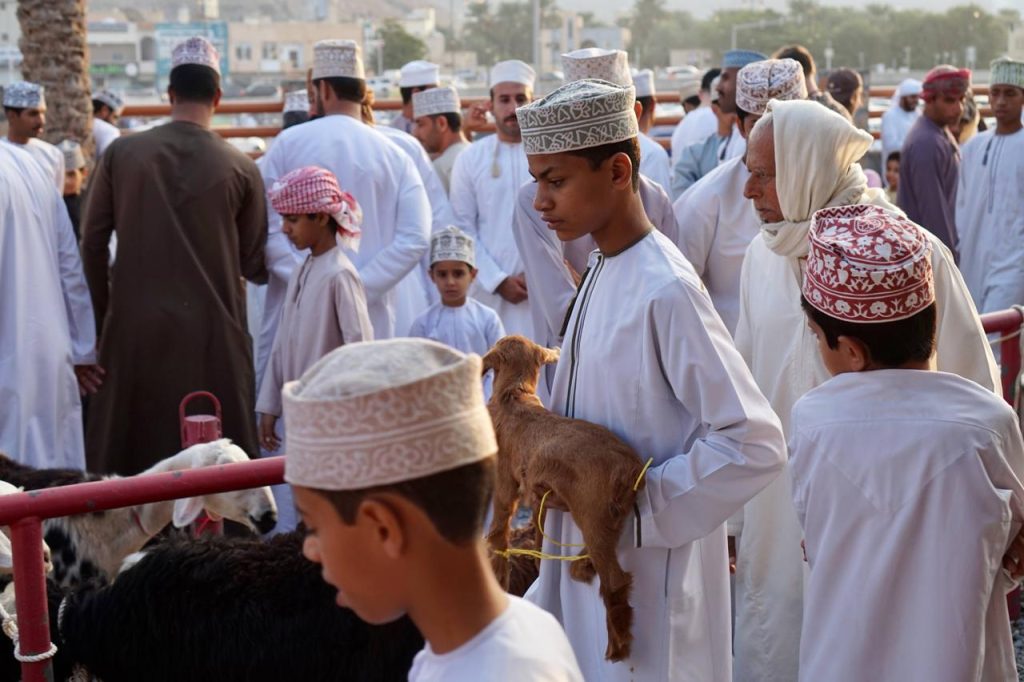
x,y
457,320
906,480
391,454
325,305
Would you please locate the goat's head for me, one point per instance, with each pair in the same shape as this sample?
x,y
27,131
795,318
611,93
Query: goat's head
x,y
6,550
516,362
253,508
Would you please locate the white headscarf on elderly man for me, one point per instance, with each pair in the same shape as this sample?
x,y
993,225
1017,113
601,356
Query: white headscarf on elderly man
x,y
816,154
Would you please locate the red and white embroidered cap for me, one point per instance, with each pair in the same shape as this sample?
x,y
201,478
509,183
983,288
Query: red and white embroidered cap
x,y
312,189
867,264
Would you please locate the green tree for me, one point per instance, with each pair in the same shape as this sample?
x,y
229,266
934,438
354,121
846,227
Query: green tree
x,y
495,34
399,46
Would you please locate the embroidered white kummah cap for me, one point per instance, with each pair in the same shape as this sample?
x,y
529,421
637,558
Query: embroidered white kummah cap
x,y
643,83
115,103
1006,71
380,412
195,50
296,100
452,243
24,95
337,59
513,71
578,115
599,64
760,82
73,157
690,87
418,73
867,264
909,88
436,101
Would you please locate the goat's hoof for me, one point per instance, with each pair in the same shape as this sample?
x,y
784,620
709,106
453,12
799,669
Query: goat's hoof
x,y
618,651
582,570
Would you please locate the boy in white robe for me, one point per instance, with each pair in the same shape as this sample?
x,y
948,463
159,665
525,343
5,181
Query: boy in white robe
x,y
456,319
989,216
391,456
906,480
645,355
325,305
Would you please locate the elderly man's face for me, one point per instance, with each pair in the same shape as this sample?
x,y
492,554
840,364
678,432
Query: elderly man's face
x,y
760,188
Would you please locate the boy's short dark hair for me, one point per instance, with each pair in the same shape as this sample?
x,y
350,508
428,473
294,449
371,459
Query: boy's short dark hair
x,y
455,501
16,110
645,104
893,156
331,222
293,118
800,53
693,101
890,344
194,83
97,105
407,93
345,88
709,76
454,120
741,114
598,155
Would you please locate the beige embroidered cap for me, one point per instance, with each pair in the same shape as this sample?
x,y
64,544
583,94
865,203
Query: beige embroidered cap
x,y
337,59
597,63
436,101
380,412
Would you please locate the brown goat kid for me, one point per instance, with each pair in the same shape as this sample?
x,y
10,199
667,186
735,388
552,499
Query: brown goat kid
x,y
588,469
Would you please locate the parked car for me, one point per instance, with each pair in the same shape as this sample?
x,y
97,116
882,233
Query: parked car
x,y
266,90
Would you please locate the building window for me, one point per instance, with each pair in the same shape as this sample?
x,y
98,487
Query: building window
x,y
270,50
243,52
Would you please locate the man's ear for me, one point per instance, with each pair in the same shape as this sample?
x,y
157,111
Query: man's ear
x,y
638,109
385,524
855,354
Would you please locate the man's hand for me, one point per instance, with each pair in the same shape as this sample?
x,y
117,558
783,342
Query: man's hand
x,y
268,439
475,119
513,289
90,378
1013,561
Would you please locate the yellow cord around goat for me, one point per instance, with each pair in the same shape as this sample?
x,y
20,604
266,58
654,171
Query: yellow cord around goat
x,y
512,551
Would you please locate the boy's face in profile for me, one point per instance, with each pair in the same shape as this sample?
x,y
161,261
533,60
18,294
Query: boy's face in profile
x,y
352,557
572,197
73,181
304,231
836,361
452,279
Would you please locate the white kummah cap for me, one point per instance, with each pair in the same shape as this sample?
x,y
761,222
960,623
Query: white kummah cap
x,y
1006,71
196,50
909,88
296,100
25,95
513,71
452,243
381,412
578,115
73,157
643,81
436,101
758,83
690,87
419,73
599,64
337,59
115,103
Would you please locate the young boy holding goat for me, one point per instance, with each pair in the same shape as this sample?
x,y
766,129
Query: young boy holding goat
x,y
391,459
646,356
906,480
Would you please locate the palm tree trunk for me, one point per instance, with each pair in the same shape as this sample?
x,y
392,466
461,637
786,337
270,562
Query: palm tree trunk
x,y
55,55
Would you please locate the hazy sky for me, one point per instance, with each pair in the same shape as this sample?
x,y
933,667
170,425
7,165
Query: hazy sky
x,y
609,9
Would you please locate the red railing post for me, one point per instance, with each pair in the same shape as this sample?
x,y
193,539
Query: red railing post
x,y
30,597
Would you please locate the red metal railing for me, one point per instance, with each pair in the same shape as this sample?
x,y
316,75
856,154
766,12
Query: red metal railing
x,y
25,512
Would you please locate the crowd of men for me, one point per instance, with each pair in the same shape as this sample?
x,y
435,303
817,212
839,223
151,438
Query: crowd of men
x,y
125,286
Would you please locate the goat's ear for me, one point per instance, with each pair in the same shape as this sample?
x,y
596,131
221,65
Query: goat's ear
x,y
549,356
186,511
487,362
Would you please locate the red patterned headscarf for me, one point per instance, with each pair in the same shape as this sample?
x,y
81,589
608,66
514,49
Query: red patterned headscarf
x,y
945,79
312,189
